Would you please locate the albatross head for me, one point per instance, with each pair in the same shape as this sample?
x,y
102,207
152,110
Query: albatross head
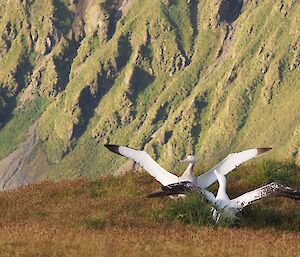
x,y
189,159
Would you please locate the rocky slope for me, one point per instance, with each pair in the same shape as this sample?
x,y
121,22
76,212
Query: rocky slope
x,y
171,77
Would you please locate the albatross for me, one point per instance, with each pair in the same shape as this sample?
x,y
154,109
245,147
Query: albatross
x,y
203,181
222,206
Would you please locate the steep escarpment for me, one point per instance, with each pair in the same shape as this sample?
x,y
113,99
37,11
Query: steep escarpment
x,y
171,77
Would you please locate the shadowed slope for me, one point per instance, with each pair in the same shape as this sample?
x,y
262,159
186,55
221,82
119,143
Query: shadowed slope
x,y
170,77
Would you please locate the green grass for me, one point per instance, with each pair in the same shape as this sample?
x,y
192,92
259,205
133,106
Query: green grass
x,y
178,14
270,171
192,210
267,215
15,131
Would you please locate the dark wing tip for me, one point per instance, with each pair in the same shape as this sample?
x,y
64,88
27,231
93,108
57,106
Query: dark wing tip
x,y
113,148
296,196
290,192
157,193
172,189
263,150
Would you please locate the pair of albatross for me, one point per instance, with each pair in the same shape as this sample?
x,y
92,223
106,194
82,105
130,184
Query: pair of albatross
x,y
222,205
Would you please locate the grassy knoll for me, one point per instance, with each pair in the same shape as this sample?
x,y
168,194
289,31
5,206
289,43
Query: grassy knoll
x,y
111,217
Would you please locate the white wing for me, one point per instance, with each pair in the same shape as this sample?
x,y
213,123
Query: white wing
x,y
270,190
228,164
144,159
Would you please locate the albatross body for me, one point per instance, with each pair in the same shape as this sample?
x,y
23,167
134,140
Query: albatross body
x,y
203,181
222,205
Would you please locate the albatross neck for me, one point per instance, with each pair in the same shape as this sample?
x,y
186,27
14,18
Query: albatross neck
x,y
222,195
188,174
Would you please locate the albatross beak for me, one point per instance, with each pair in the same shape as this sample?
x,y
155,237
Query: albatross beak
x,y
182,161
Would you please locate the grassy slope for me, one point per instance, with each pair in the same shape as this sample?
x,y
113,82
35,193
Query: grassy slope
x,y
159,72
111,217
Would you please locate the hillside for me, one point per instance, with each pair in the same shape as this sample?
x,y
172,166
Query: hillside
x,y
170,76
111,217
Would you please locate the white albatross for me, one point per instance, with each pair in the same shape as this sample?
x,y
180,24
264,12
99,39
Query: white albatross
x,y
221,204
204,180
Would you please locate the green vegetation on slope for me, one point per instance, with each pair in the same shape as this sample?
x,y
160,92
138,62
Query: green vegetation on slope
x,y
165,76
18,126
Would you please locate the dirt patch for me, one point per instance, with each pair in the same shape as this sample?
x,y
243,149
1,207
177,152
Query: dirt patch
x,y
82,7
226,43
12,172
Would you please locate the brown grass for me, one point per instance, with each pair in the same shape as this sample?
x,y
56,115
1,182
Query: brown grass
x,y
112,217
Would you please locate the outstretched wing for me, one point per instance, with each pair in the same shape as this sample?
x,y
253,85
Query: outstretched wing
x,y
182,188
144,159
270,190
228,164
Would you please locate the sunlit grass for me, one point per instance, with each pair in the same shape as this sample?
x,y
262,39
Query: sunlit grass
x,y
113,217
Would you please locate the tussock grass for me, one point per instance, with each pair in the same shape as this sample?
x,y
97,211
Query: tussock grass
x,y
269,171
192,210
95,222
